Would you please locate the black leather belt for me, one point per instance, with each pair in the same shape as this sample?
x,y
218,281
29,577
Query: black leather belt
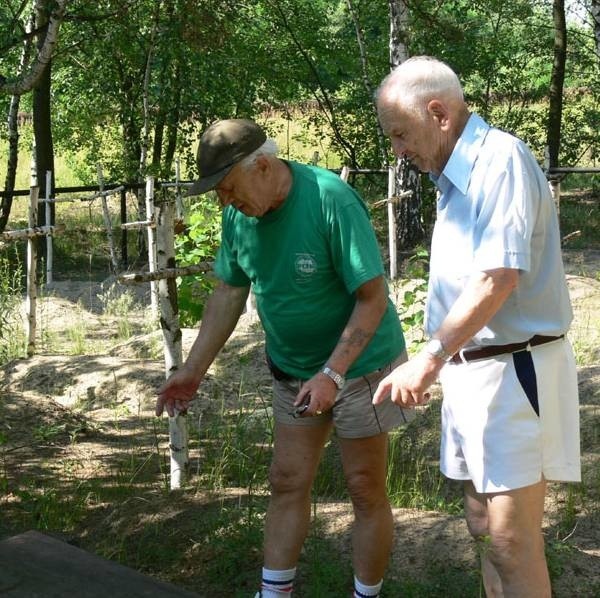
x,y
494,350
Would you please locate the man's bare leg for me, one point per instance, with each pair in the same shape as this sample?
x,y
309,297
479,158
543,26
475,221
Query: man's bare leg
x,y
297,451
364,461
508,526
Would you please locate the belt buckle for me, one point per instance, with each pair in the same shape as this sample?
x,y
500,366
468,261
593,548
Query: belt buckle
x,y
461,355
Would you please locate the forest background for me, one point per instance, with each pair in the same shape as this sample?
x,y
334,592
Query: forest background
x,y
130,85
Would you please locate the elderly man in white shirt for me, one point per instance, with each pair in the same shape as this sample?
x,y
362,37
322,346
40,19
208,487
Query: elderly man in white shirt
x,y
497,314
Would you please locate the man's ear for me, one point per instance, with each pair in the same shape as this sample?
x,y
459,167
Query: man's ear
x,y
262,163
438,110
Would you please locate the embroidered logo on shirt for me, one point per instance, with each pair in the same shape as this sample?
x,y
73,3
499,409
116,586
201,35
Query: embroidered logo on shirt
x,y
305,265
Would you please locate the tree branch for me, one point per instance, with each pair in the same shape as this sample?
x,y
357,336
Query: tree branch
x,y
28,80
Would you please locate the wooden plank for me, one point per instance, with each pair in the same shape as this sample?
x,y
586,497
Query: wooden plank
x,y
35,565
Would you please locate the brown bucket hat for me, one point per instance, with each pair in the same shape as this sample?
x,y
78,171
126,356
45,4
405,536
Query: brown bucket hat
x,y
221,147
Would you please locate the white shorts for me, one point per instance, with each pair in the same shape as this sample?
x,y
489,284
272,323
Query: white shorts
x,y
509,420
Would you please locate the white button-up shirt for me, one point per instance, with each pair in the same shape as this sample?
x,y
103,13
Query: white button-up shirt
x,y
495,210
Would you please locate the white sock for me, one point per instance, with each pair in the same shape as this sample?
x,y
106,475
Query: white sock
x,y
277,583
363,591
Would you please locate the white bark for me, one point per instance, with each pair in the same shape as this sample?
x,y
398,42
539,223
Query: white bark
x,y
595,12
392,232
169,323
28,80
151,244
136,277
48,219
145,134
107,221
366,81
31,301
30,233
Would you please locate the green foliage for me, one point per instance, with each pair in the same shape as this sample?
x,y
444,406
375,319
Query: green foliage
x,y
12,337
198,243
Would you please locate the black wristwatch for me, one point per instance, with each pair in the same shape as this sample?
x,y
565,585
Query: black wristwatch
x,y
335,376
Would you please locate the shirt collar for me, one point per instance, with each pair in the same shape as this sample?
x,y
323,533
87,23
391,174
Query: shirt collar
x,y
462,159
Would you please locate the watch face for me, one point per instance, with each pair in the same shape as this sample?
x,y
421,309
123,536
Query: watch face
x,y
435,348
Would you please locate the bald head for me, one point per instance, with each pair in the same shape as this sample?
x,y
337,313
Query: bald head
x,y
422,110
416,81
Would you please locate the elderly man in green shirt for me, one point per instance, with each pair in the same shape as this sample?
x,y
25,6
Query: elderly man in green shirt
x,y
303,239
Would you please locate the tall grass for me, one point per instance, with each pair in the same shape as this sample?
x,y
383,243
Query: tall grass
x,y
12,335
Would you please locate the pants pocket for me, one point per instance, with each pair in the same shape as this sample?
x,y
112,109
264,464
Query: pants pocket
x,y
525,371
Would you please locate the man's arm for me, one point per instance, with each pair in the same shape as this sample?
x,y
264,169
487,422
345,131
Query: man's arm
x,y
371,303
221,314
482,297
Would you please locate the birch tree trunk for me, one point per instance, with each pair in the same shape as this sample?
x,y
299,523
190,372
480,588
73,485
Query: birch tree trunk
x,y
13,137
42,114
595,12
556,93
381,144
145,132
408,210
151,245
31,303
557,82
107,220
25,82
169,323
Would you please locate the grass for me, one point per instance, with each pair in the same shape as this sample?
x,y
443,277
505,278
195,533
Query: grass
x,y
63,164
12,339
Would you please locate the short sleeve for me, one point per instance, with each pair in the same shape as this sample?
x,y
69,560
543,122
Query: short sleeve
x,y
226,263
354,247
507,214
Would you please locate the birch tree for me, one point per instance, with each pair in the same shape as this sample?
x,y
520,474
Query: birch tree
x,y
557,83
13,135
48,34
31,76
408,181
381,143
595,12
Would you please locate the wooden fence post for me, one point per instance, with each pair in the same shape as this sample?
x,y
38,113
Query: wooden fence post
x,y
107,221
169,323
178,198
47,211
392,231
151,244
32,265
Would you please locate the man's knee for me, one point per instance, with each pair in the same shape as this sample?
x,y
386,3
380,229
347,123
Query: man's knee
x,y
367,494
286,481
477,524
510,547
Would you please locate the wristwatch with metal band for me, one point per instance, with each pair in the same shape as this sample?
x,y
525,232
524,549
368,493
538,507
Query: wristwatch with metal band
x,y
434,347
337,378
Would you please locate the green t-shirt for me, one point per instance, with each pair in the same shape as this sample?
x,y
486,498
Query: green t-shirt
x,y
305,261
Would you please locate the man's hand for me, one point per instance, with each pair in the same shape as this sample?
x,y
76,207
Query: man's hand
x,y
407,385
322,392
175,394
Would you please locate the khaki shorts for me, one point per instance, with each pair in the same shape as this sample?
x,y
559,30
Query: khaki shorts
x,y
353,415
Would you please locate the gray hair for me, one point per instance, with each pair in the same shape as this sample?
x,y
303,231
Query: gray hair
x,y
268,148
418,80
